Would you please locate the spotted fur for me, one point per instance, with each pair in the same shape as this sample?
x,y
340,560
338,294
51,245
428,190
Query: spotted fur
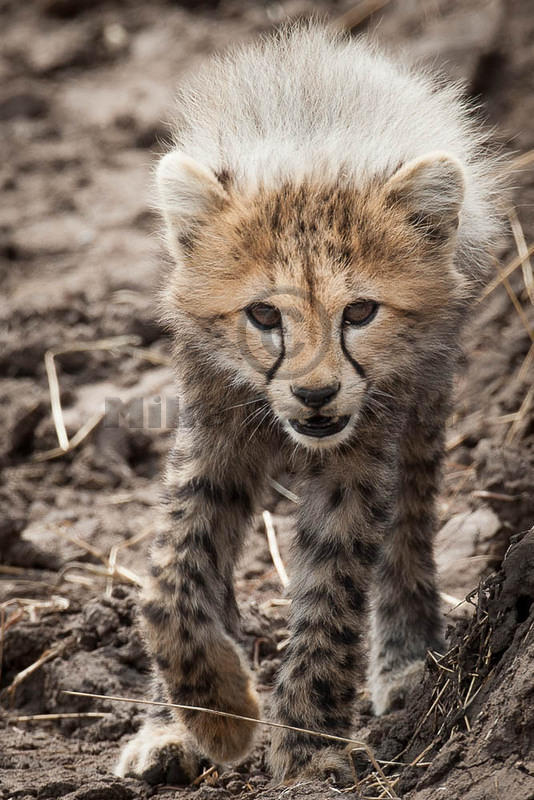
x,y
309,173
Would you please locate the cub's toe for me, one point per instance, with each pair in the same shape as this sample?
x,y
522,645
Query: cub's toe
x,y
160,754
293,759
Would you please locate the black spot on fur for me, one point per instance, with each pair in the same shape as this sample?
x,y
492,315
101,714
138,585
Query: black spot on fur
x,y
194,574
191,662
162,539
274,369
316,597
346,636
323,691
200,616
366,491
337,723
348,694
230,494
224,176
198,541
162,662
380,513
167,586
348,662
337,496
317,549
187,241
357,366
155,613
366,552
299,670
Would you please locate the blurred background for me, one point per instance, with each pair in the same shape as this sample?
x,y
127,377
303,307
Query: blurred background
x,y
86,400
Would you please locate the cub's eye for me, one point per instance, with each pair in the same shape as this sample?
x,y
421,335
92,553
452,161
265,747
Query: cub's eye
x,y
264,316
360,313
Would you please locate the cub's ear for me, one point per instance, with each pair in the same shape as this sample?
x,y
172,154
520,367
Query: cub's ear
x,y
187,192
430,190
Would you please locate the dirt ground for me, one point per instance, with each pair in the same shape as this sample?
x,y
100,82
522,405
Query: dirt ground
x,y
85,90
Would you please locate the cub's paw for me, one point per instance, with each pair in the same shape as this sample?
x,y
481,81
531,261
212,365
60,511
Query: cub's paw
x,y
224,739
330,764
160,753
292,761
390,690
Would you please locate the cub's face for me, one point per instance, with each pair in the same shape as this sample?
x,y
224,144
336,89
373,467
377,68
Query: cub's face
x,y
319,297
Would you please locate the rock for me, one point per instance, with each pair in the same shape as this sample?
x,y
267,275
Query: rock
x,y
104,791
456,36
462,538
22,433
55,789
65,9
23,105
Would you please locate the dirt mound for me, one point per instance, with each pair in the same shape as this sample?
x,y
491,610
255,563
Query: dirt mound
x,y
469,727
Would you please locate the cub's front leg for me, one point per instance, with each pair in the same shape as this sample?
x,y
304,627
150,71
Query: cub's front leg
x,y
340,528
406,618
190,615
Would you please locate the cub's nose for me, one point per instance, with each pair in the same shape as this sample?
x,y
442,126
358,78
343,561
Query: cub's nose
x,y
315,398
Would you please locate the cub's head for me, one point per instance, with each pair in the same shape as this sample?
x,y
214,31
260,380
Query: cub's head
x,y
320,295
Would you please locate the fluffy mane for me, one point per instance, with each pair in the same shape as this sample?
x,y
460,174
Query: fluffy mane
x,y
311,103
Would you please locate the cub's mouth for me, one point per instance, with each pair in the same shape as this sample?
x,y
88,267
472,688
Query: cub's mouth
x,y
319,425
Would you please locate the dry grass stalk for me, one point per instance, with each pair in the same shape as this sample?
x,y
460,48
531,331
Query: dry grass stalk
x,y
55,401
108,570
26,606
53,717
522,251
112,558
456,441
451,600
47,655
354,743
483,494
76,440
526,366
8,622
207,772
524,160
274,602
7,569
2,633
470,663
505,419
273,549
81,543
31,606
158,359
53,383
505,273
424,718
519,308
128,344
517,424
468,422
383,781
361,12
287,493
81,580
437,662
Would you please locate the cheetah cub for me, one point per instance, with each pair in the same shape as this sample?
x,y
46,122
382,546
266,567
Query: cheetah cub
x,y
330,216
